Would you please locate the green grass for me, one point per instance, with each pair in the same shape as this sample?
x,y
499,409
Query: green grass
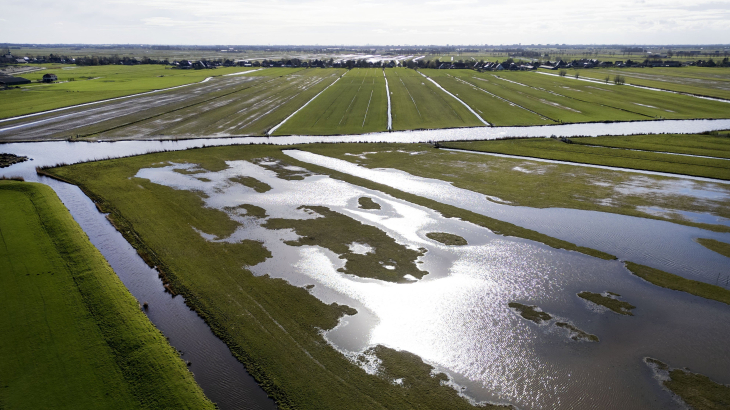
x,y
356,104
73,336
7,160
367,203
95,83
251,108
556,150
521,182
711,82
720,247
336,231
251,182
447,238
416,103
270,326
696,390
619,306
530,313
692,144
675,282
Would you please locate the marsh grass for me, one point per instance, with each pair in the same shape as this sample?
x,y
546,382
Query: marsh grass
x,y
447,238
698,391
611,302
722,248
367,203
675,282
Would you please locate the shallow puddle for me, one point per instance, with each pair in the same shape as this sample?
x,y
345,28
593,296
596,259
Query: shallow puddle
x,y
456,318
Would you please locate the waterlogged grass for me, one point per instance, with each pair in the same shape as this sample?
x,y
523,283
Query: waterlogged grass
x,y
535,314
419,104
270,326
356,104
691,144
7,160
251,182
696,390
516,181
367,203
73,337
675,282
447,238
557,150
610,301
720,247
95,83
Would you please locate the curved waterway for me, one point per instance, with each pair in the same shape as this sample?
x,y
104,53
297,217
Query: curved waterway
x,y
532,366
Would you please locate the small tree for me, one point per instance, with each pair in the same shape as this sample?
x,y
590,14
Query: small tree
x,y
577,75
563,73
607,78
619,80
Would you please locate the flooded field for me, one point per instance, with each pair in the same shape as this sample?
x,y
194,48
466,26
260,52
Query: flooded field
x,y
456,317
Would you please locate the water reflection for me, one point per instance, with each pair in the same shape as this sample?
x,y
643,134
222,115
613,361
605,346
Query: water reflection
x,y
456,317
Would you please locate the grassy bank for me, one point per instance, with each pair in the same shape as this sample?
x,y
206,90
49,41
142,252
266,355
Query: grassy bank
x,y
270,326
720,247
690,144
675,282
521,182
95,83
554,149
696,390
73,336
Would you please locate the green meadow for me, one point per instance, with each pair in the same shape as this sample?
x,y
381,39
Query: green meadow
x,y
356,104
554,149
83,84
73,336
270,326
419,104
691,144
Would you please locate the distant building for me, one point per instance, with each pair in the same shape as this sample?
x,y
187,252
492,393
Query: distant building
x,y
49,78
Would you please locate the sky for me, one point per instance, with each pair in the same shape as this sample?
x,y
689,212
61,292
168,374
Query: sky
x,y
381,22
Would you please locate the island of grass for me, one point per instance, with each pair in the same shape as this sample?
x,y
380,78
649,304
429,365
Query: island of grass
x,y
722,248
447,238
698,391
7,160
610,301
251,182
535,314
676,282
273,328
73,336
367,203
390,261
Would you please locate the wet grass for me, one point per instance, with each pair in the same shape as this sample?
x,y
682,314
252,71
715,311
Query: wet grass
x,y
356,104
251,182
522,182
447,238
7,160
273,328
419,104
691,144
367,203
675,282
95,83
696,390
610,301
73,335
389,261
720,247
555,149
530,312
577,334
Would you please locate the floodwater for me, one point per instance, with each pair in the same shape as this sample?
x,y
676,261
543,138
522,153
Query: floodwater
x,y
456,318
659,244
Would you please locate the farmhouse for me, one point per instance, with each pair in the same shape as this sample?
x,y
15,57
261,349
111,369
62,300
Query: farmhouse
x,y
49,78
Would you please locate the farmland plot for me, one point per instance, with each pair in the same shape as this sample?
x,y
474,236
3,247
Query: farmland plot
x,y
356,104
418,104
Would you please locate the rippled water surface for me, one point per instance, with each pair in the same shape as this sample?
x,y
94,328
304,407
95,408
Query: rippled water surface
x,y
456,317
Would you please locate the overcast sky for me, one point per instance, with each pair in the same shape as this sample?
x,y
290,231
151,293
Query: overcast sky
x,y
365,22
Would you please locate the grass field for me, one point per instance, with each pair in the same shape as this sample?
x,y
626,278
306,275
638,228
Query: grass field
x,y
567,100
93,84
271,326
522,182
418,104
251,108
557,150
708,81
690,144
73,336
356,104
